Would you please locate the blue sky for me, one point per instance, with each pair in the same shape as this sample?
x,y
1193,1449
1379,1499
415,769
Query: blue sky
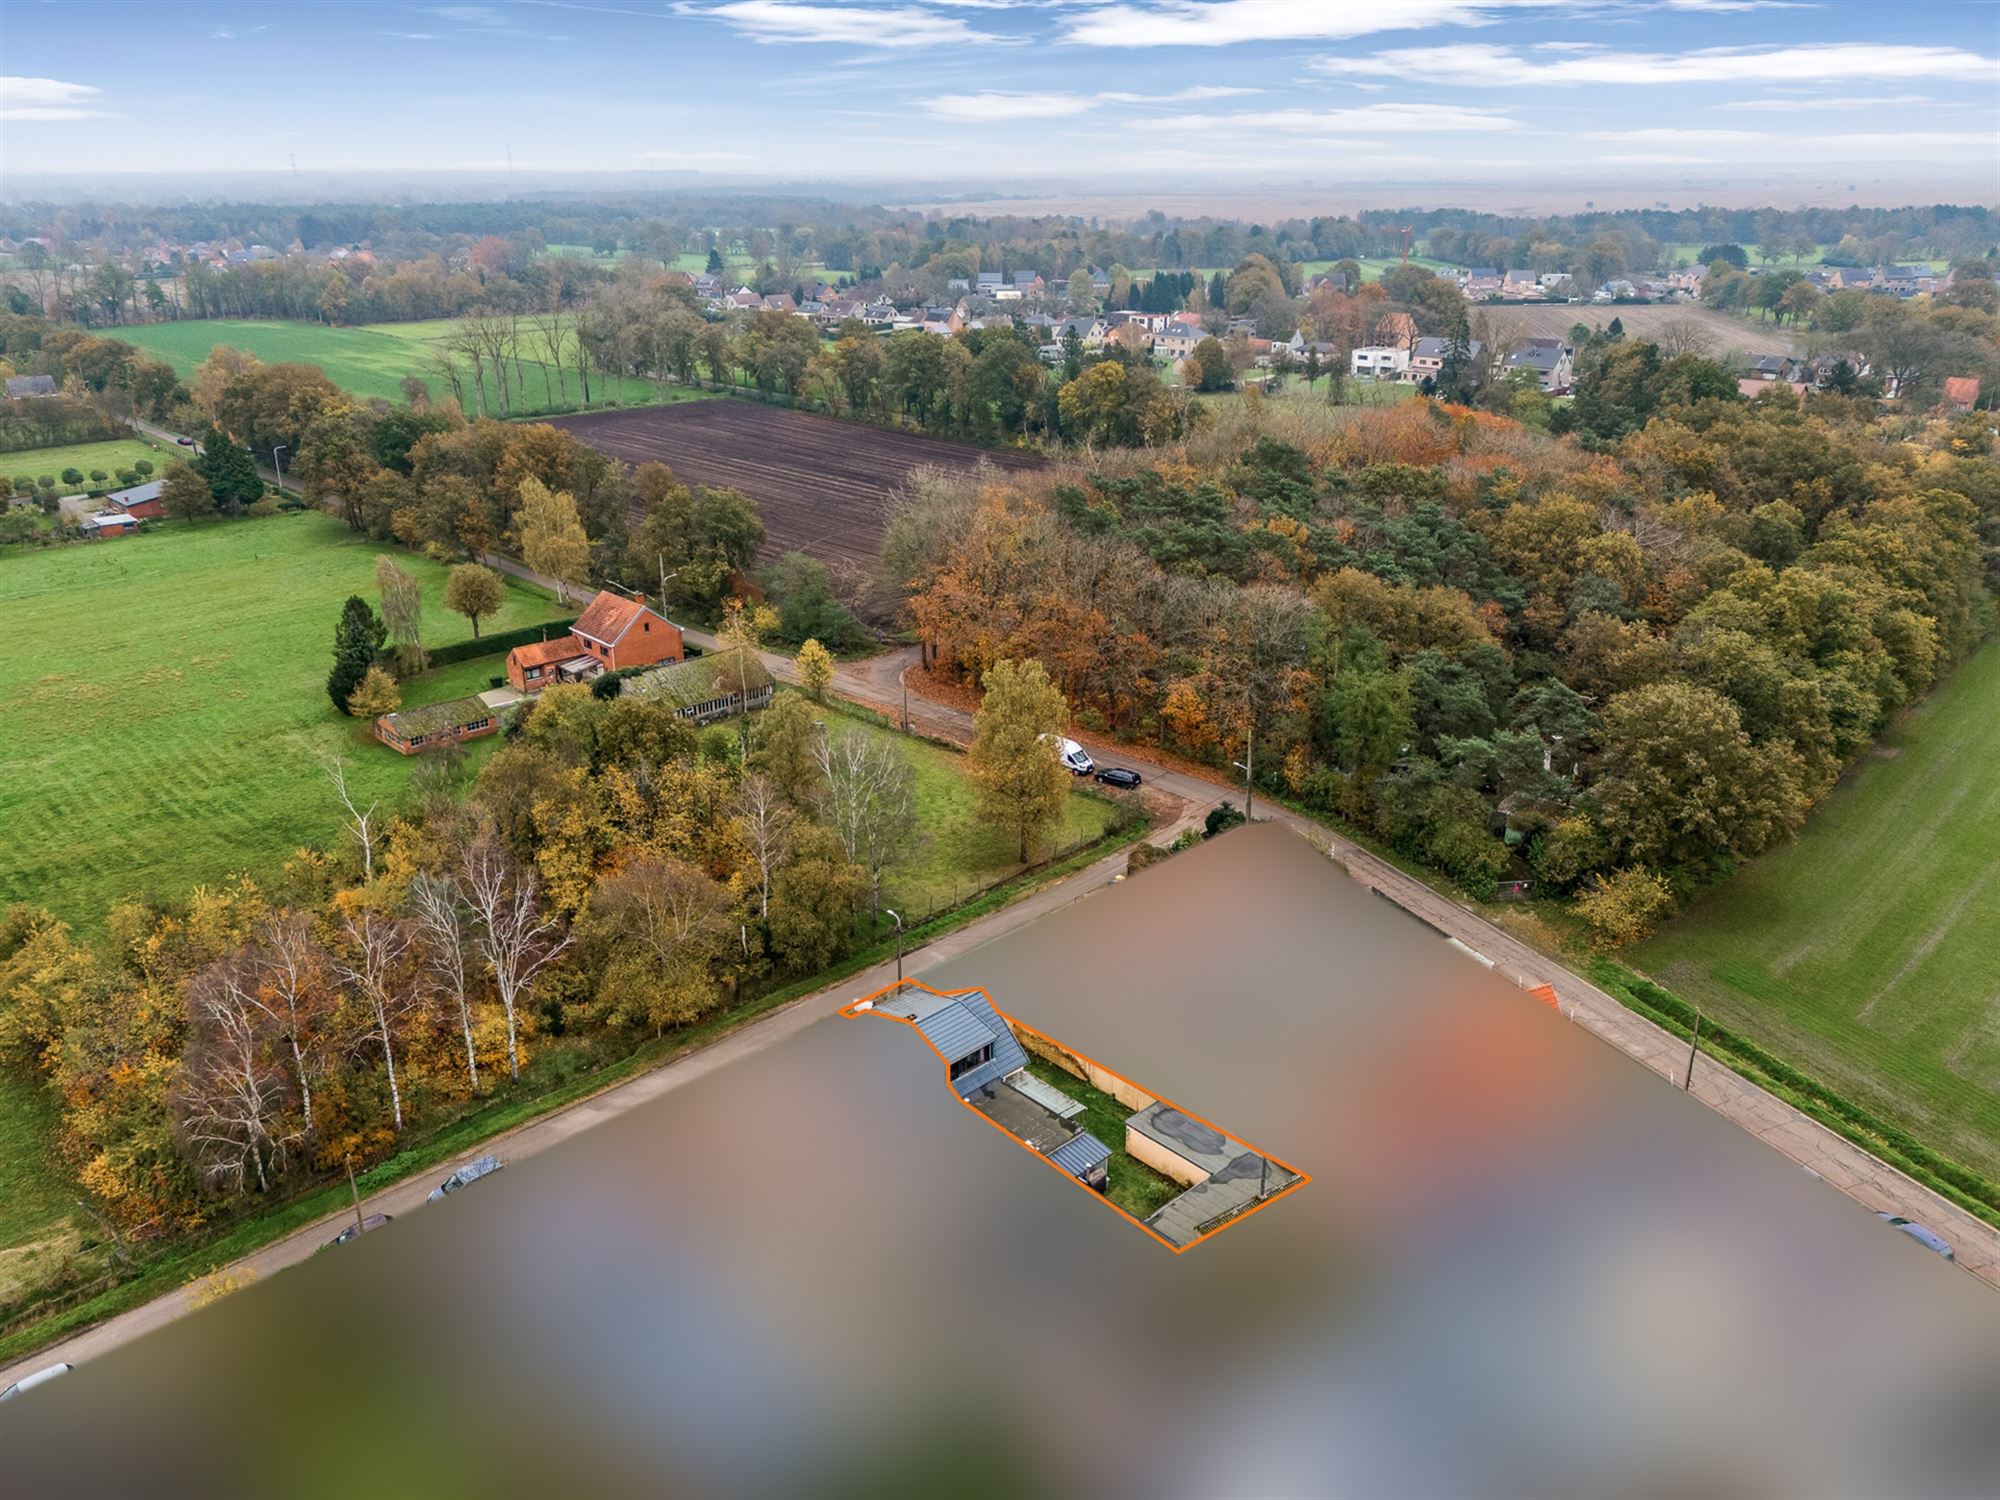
x,y
904,89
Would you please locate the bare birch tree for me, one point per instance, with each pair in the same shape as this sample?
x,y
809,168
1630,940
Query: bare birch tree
x,y
440,920
360,825
511,933
374,953
764,822
870,801
294,991
231,1096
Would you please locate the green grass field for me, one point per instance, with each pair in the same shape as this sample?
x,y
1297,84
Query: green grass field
x,y
1868,953
369,362
957,855
120,453
166,701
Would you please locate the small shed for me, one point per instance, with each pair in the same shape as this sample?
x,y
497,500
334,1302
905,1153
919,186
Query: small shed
x,y
1085,1158
435,724
111,523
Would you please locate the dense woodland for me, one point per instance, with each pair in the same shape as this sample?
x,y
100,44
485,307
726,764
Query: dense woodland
x,y
1619,669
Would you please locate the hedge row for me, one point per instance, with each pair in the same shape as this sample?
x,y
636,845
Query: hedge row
x,y
1967,1188
506,640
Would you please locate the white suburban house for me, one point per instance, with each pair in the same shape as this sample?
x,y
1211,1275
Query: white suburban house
x,y
1379,362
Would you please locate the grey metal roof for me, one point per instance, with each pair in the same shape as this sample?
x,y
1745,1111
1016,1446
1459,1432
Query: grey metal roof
x,y
955,1031
1080,1154
1236,1187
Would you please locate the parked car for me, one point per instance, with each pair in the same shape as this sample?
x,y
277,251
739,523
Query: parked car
x,y
470,1173
1119,776
185,442
355,1231
1073,755
1930,1239
28,1382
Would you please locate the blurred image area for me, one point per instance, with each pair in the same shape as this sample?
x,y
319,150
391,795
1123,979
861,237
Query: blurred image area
x,y
1524,1265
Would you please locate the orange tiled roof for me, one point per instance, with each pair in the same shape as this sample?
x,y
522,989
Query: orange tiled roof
x,y
608,617
541,653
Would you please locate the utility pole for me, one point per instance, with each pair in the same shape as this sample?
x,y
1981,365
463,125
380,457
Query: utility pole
x,y
1687,1084
279,464
1247,766
359,1227
664,577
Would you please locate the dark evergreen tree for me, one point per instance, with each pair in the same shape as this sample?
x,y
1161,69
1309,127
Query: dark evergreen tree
x,y
357,640
230,471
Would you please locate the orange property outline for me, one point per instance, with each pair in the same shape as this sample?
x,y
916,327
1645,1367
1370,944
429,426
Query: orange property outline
x,y
855,1008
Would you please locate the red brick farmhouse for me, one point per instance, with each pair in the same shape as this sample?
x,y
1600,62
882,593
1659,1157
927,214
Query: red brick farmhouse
x,y
610,635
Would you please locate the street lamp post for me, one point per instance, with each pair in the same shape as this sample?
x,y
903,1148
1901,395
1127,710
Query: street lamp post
x,y
279,464
899,944
1246,766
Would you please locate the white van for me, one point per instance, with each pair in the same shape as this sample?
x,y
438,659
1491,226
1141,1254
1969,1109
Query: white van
x,y
28,1382
1073,756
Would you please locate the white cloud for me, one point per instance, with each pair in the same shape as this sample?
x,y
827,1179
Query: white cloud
x,y
49,99
1378,119
1669,135
1794,104
997,104
1478,65
888,27
1213,23
672,156
1654,159
231,33
985,107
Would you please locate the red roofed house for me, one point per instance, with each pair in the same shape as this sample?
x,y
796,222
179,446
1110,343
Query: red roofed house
x,y
611,634
1961,392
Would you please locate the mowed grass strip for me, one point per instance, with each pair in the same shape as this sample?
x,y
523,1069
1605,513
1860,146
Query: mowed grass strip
x,y
166,705
955,856
119,453
369,362
1868,953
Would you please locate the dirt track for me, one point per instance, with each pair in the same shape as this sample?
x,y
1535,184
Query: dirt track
x,y
823,486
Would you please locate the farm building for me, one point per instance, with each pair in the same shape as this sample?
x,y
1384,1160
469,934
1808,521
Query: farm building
x,y
141,502
110,524
612,634
413,729
705,689
20,387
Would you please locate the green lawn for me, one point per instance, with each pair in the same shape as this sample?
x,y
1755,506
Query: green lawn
x,y
1132,1185
166,701
370,361
1868,953
120,453
956,854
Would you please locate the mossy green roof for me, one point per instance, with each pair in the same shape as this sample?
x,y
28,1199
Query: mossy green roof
x,y
431,718
696,679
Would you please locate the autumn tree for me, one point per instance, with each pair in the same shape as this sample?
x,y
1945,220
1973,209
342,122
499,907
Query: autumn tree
x,y
1013,764
295,991
474,590
184,493
814,665
1623,907
672,929
552,538
376,694
814,898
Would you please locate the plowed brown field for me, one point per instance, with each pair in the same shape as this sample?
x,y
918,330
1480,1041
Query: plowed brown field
x,y
822,485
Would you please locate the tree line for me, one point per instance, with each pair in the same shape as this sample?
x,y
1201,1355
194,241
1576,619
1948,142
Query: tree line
x,y
611,874
1620,669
